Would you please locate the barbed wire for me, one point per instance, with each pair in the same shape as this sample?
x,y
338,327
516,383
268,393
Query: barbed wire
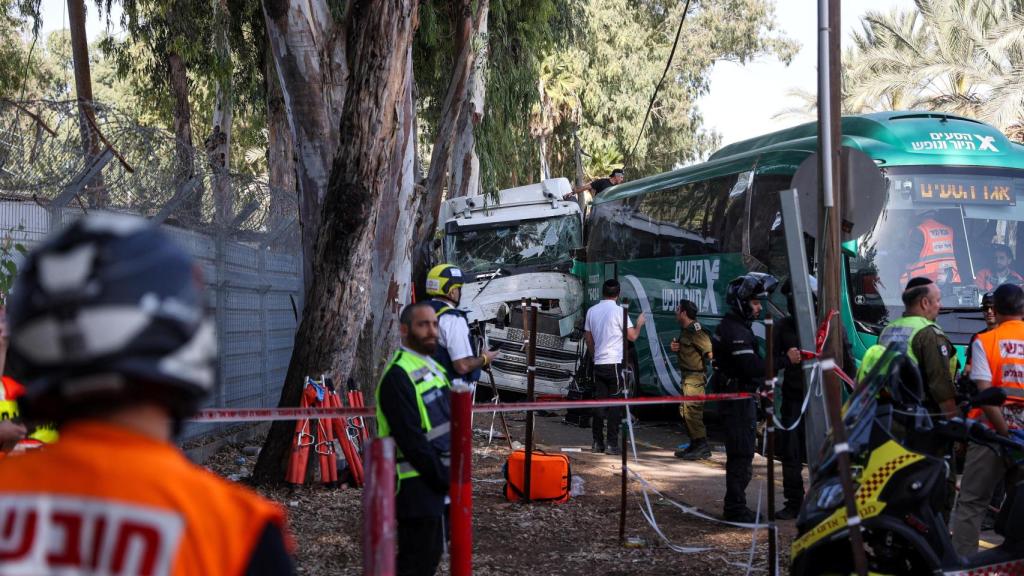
x,y
93,156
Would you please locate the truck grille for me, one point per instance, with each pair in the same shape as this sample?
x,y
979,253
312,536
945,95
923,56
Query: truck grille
x,y
543,373
549,346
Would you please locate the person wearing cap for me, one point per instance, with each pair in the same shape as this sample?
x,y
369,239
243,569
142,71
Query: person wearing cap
x,y
925,342
995,363
595,187
110,338
693,347
455,351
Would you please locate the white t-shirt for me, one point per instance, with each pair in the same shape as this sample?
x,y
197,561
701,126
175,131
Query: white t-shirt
x,y
604,322
980,370
454,336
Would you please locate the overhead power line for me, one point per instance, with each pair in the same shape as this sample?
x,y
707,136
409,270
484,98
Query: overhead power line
x,y
668,65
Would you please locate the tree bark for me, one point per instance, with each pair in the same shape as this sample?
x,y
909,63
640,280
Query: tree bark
x,y
426,219
280,153
96,192
218,144
391,270
338,300
184,152
309,53
465,177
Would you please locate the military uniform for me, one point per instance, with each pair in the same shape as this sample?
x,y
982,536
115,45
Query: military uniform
x,y
694,349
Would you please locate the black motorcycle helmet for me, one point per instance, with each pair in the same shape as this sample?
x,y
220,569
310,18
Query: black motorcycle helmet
x,y
107,313
787,291
750,286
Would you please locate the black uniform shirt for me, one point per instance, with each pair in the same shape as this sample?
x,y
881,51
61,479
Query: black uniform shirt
x,y
422,495
735,351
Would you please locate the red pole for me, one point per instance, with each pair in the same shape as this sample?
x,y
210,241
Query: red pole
x,y
379,524
461,511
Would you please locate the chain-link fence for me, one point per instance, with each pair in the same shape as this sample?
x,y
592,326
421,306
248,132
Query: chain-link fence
x,y
60,160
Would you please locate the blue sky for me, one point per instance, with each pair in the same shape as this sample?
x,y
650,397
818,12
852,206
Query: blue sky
x,y
743,98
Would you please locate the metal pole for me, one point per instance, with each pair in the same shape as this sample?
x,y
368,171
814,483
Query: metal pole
x,y
829,127
814,420
768,404
461,511
379,509
531,369
504,423
622,502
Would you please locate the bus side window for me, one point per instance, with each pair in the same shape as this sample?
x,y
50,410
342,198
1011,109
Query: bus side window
x,y
729,220
767,238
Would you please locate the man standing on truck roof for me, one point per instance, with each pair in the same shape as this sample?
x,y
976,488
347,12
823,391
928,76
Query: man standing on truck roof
x,y
455,352
595,187
604,339
693,346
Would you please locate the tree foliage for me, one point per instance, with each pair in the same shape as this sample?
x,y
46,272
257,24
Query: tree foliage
x,y
958,56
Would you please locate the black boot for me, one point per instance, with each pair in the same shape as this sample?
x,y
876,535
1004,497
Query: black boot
x,y
699,450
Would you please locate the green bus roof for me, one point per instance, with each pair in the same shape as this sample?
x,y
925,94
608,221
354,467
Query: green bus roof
x,y
901,138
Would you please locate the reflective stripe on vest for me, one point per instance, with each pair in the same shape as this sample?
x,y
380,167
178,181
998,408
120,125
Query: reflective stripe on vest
x,y
901,332
1004,350
430,386
937,254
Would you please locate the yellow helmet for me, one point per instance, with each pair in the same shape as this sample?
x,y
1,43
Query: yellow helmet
x,y
442,278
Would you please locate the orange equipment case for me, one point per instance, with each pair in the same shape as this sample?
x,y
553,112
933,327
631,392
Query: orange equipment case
x,y
550,475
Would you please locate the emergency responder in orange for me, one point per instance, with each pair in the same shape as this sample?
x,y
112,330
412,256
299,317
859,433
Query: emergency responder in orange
x,y
109,338
998,360
936,257
989,279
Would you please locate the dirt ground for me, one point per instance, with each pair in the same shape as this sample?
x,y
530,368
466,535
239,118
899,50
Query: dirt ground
x,y
579,537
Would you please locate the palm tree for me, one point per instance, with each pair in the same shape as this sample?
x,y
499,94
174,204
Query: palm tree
x,y
959,56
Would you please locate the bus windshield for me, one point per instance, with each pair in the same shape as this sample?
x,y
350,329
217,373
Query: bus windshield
x,y
957,226
540,243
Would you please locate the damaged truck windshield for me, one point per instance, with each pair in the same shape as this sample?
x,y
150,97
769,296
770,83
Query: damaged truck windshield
x,y
543,243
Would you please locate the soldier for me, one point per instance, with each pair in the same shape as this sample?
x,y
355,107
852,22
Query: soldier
x,y
693,346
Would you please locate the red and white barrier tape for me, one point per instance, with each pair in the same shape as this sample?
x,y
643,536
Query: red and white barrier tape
x,y
215,415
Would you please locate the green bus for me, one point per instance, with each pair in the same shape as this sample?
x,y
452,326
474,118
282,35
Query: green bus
x,y
951,206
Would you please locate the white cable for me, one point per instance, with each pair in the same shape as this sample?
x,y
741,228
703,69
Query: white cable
x,y
753,533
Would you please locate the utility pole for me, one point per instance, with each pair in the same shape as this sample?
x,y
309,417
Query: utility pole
x,y
830,267
83,88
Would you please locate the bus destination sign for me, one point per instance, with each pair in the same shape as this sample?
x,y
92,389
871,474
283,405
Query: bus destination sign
x,y
944,190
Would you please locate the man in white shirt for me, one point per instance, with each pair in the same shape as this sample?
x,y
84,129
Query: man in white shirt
x,y
604,340
455,350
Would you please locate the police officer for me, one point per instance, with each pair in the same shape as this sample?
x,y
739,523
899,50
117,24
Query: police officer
x,y
455,351
110,340
742,367
693,346
412,407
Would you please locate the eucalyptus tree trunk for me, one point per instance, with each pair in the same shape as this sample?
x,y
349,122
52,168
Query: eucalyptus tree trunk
x,y
218,144
426,219
338,299
465,165
308,47
184,147
280,152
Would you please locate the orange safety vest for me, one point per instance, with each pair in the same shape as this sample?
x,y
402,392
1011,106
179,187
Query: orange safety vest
x,y
937,255
106,500
1004,349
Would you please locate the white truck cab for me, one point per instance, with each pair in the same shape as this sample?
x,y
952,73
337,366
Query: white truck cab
x,y
513,246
